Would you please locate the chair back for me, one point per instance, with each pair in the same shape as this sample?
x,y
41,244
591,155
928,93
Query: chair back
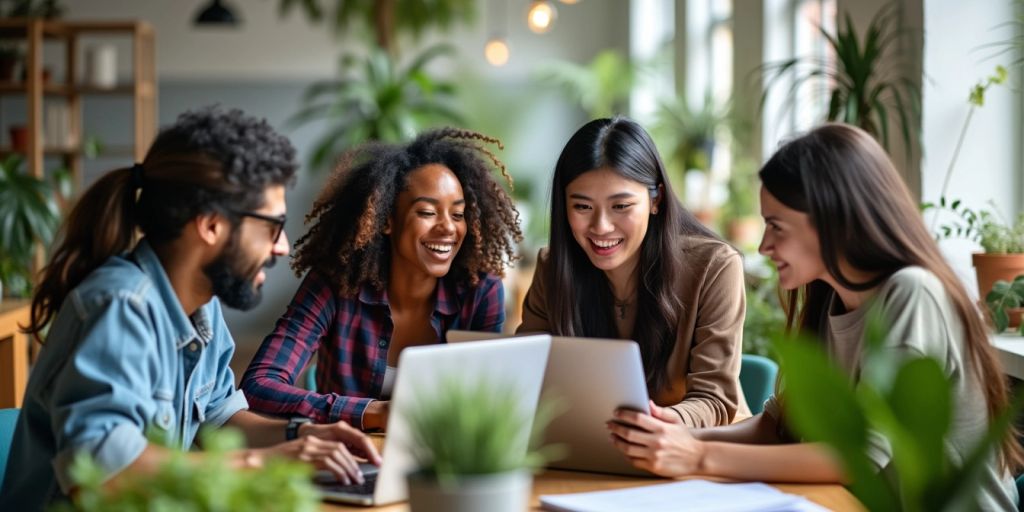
x,y
310,377
757,378
8,419
1020,493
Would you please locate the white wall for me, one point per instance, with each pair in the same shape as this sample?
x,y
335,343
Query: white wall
x,y
266,47
989,164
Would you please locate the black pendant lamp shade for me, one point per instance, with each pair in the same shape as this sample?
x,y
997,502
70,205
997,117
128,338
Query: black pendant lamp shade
x,y
216,13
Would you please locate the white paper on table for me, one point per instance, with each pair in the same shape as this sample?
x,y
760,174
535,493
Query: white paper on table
x,y
689,496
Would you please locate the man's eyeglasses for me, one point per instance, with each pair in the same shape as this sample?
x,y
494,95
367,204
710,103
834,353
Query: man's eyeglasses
x,y
276,222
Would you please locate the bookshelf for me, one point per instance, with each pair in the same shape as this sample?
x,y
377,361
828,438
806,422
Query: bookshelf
x,y
140,88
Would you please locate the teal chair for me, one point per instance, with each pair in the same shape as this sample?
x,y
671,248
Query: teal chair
x,y
757,378
311,377
8,419
1020,493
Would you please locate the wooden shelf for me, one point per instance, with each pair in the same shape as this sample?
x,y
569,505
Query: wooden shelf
x,y
140,87
108,151
54,89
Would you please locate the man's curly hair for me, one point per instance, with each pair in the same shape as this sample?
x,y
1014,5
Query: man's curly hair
x,y
346,243
211,160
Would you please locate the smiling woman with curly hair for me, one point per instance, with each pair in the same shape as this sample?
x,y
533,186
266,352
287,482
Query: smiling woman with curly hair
x,y
406,242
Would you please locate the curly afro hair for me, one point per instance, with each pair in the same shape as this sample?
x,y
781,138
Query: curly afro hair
x,y
346,241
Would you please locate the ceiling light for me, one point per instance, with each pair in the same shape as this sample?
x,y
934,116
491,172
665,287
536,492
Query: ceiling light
x,y
217,13
496,51
541,16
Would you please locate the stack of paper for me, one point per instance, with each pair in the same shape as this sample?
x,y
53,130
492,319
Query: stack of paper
x,y
690,496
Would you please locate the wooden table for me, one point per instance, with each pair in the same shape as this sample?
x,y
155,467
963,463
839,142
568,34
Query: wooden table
x,y
13,352
832,496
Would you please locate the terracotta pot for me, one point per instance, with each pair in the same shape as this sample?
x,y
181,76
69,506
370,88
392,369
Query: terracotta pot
x,y
745,231
994,267
1015,315
19,139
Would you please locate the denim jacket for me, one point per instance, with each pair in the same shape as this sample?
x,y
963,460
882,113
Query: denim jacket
x,y
122,361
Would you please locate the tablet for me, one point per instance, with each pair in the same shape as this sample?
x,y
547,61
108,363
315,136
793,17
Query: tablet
x,y
588,378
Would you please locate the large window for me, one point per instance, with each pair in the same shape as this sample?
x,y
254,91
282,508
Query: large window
x,y
793,29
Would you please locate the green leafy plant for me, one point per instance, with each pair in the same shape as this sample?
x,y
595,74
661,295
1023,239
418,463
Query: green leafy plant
x,y
386,18
976,99
908,401
988,228
690,134
470,429
211,485
1005,295
28,216
866,87
600,87
764,319
34,8
375,99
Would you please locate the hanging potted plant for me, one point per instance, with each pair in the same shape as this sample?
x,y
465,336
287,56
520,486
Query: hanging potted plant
x,y
868,83
464,441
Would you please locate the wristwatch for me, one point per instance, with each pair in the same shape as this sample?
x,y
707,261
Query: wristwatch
x,y
292,430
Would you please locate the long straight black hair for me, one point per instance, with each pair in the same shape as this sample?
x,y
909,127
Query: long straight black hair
x,y
583,304
862,211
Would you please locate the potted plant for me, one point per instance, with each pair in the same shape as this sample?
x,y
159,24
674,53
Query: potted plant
x,y
1002,242
743,224
864,88
467,442
1005,303
30,216
376,99
182,484
688,138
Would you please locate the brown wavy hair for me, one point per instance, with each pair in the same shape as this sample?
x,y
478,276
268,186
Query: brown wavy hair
x,y
843,180
346,243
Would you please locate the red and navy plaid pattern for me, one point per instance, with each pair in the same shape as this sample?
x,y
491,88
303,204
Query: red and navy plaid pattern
x,y
350,337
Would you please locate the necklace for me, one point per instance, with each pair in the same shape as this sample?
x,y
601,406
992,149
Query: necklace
x,y
621,305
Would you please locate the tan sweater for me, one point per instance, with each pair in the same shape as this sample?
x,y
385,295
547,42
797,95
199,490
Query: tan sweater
x,y
704,366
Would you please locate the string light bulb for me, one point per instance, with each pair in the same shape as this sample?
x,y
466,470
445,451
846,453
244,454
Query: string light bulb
x,y
496,52
541,16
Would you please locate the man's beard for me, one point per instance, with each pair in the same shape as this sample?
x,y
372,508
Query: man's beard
x,y
230,282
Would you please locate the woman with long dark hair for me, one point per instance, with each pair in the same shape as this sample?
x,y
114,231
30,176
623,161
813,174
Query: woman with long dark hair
x,y
407,242
626,260
847,237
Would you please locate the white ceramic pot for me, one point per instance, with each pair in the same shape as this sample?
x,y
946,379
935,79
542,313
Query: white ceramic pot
x,y
500,492
101,66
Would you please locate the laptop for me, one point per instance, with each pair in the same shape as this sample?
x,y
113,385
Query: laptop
x,y
589,378
421,369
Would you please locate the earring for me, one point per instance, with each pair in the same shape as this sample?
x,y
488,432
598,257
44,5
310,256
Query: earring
x,y
654,211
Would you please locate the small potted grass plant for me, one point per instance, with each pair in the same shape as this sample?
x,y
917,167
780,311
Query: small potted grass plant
x,y
181,484
474,447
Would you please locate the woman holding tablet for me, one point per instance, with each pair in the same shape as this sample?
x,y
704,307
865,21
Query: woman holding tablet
x,y
847,237
626,260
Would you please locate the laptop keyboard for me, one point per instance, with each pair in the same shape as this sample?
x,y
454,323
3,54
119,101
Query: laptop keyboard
x,y
366,488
